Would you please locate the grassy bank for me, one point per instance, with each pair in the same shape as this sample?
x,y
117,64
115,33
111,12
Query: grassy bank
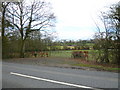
x,y
65,62
100,67
64,57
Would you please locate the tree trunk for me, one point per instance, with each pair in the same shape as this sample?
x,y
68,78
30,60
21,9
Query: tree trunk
x,y
22,49
3,18
118,51
106,52
3,31
106,58
3,21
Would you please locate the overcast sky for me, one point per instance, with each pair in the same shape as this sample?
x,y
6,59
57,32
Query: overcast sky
x,y
74,17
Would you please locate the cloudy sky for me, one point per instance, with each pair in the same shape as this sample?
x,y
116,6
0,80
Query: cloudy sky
x,y
75,17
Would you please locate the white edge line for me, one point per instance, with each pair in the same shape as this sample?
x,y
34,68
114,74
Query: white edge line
x,y
53,81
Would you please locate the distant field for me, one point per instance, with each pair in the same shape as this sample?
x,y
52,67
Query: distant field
x,y
65,57
92,54
68,54
62,54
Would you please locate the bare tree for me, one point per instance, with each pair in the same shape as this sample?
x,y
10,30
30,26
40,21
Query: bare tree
x,y
114,20
29,17
101,39
3,16
3,24
109,40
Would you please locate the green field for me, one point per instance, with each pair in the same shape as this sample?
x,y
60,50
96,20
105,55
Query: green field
x,y
92,54
68,54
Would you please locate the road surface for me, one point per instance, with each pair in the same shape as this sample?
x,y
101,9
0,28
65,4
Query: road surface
x,y
30,76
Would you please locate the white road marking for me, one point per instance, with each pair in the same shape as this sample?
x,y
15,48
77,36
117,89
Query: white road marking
x,y
53,81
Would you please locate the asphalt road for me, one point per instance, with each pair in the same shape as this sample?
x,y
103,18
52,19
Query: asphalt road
x,y
30,76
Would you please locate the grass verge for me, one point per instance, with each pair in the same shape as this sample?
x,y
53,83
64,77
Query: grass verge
x,y
68,62
98,67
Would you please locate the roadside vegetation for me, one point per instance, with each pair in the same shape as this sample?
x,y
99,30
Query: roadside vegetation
x,y
27,33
